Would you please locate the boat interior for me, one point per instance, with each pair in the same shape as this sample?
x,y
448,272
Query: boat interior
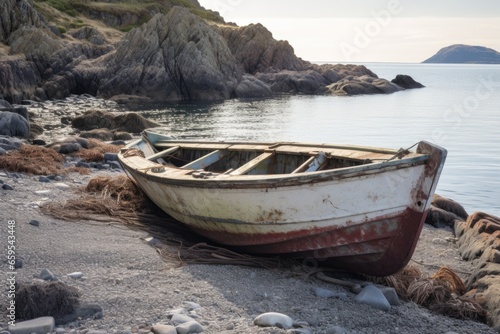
x,y
261,159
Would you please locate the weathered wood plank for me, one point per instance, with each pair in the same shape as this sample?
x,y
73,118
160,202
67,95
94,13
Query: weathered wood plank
x,y
251,164
206,160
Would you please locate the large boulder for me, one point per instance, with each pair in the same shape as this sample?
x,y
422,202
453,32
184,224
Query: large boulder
x,y
14,125
363,85
98,119
406,82
256,50
172,57
294,82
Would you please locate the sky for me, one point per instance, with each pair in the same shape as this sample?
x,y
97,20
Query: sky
x,y
369,30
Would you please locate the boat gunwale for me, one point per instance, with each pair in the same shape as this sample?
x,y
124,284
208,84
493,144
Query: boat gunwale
x,y
182,177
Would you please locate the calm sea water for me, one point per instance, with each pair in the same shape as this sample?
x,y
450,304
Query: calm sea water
x,y
459,109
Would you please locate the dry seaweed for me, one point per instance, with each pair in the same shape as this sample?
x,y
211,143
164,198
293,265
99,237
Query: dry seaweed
x,y
450,279
45,299
95,151
33,159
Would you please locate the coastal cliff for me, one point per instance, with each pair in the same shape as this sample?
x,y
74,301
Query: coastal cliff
x,y
178,53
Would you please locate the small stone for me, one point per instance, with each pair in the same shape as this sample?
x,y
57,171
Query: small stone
x,y
18,263
7,187
44,179
39,142
299,331
60,185
40,325
110,157
179,318
173,312
273,319
163,329
189,327
192,306
60,330
58,178
118,142
82,164
154,242
372,296
114,165
337,330
76,274
390,294
34,222
325,293
43,192
85,311
47,275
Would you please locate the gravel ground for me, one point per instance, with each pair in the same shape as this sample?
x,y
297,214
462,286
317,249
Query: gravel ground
x,y
137,288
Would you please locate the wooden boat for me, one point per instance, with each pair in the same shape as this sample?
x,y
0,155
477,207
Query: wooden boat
x,y
354,208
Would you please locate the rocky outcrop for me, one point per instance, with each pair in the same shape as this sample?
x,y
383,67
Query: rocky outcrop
x,y
256,50
175,56
172,57
406,82
479,242
363,85
16,13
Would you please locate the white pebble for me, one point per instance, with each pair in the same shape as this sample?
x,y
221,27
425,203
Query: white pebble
x,y
76,274
273,319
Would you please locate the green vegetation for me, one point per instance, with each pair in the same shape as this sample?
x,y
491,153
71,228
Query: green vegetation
x,y
123,15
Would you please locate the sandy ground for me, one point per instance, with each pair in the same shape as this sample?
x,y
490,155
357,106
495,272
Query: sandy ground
x,y
136,287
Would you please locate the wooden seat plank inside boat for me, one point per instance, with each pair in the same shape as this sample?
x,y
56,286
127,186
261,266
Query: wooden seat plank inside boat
x,y
252,164
312,164
163,154
206,160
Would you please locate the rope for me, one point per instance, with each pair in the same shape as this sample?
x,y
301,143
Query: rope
x,y
133,152
402,152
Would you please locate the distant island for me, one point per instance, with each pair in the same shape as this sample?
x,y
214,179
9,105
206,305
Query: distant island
x,y
465,54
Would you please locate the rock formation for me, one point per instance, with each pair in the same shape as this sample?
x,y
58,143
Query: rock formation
x,y
174,56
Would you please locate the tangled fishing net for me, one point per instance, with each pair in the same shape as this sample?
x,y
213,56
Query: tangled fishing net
x,y
119,200
443,292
